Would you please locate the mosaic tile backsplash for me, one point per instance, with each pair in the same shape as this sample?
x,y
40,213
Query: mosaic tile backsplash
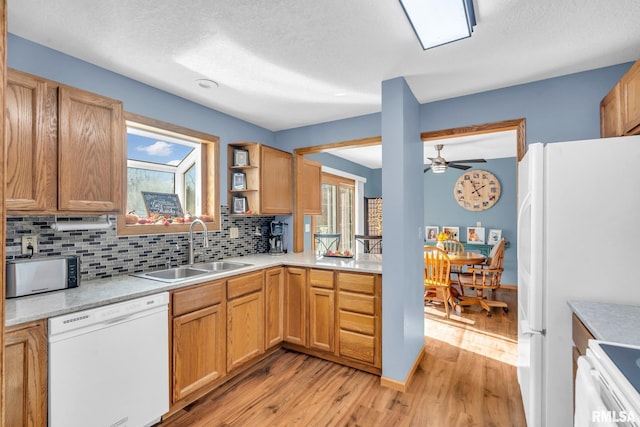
x,y
104,254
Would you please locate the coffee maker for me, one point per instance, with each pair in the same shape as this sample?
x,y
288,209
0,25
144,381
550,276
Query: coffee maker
x,y
277,239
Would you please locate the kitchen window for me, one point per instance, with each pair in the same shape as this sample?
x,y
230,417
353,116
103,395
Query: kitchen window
x,y
165,158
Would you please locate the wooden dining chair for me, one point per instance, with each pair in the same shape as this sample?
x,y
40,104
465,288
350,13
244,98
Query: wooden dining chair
x,y
485,279
324,242
437,277
453,246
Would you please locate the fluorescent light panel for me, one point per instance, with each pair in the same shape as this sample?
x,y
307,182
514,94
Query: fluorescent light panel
x,y
437,22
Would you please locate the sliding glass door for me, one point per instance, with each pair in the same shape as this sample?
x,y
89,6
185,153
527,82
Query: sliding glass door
x,y
338,210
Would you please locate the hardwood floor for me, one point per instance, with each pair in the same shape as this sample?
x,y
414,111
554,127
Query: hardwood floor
x,y
467,378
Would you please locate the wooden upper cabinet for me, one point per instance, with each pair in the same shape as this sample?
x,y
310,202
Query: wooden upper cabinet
x,y
630,91
65,149
311,185
26,143
91,152
620,108
275,181
611,114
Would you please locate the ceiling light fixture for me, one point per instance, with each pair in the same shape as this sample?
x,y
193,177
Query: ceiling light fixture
x,y
438,22
207,83
438,167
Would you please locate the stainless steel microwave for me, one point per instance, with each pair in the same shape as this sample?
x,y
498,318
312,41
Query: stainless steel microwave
x,y
36,275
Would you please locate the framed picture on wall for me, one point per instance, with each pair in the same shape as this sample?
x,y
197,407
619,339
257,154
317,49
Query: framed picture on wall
x,y
431,232
495,235
452,232
475,235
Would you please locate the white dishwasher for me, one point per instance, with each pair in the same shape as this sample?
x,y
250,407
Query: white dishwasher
x,y
109,366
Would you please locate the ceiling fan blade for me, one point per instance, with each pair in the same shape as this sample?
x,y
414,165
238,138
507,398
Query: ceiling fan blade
x,y
456,166
426,169
469,161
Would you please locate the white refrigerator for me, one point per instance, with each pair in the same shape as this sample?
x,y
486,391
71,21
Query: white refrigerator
x,y
578,239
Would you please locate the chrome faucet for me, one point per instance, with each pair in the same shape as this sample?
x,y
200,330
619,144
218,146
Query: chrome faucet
x,y
205,242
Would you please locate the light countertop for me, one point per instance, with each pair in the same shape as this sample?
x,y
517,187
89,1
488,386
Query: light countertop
x,y
610,322
95,293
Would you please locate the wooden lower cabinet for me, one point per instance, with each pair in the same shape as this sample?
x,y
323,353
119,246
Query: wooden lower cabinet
x,y
273,306
359,317
198,338
245,319
321,310
25,381
295,306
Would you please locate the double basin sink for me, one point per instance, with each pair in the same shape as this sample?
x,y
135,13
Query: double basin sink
x,y
176,274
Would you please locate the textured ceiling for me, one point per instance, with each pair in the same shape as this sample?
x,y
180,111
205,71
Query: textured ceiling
x,y
287,63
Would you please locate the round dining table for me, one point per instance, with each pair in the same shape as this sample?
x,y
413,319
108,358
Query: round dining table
x,y
466,258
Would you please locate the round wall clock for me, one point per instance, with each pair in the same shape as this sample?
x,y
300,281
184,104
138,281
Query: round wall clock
x,y
477,190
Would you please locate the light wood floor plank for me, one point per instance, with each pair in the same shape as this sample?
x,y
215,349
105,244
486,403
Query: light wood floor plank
x,y
467,378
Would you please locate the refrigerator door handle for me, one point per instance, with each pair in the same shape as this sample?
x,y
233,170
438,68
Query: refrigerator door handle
x,y
534,332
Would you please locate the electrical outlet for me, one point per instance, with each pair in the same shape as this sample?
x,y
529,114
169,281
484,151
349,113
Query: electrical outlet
x,y
32,240
233,232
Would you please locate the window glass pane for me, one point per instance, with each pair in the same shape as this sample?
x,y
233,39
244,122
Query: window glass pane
x,y
156,150
146,180
190,190
327,222
347,226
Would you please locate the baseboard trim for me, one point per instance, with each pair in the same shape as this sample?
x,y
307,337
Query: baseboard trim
x,y
402,385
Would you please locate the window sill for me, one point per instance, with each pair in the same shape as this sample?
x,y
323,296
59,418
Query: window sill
x,y
124,229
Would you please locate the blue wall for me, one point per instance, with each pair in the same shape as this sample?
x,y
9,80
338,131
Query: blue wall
x,y
441,209
373,186
560,109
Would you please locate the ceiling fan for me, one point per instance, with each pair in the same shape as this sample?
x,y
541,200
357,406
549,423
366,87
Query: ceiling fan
x,y
439,164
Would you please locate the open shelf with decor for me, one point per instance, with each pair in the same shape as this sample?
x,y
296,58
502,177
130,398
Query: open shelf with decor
x,y
259,180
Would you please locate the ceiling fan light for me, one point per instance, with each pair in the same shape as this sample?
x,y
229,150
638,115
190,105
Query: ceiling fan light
x,y
438,168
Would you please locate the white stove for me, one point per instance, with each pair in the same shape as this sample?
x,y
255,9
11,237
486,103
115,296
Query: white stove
x,y
608,386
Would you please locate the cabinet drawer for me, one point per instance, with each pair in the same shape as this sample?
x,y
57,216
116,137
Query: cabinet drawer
x,y
361,283
244,285
356,302
356,322
357,346
321,278
197,297
581,335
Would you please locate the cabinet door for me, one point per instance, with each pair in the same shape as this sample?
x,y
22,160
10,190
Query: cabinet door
x,y
198,350
630,91
311,183
245,329
275,182
25,381
26,143
295,306
321,318
91,152
274,306
611,114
